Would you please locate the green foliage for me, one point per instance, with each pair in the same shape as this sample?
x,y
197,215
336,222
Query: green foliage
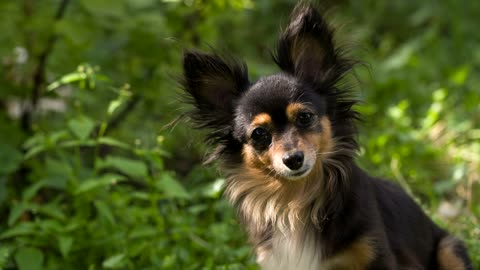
x,y
90,178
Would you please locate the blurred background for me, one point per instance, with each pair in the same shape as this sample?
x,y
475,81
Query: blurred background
x,y
90,178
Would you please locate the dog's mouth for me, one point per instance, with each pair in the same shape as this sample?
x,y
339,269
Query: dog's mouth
x,y
296,175
300,173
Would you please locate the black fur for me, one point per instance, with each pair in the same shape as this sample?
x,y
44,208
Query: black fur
x,y
213,83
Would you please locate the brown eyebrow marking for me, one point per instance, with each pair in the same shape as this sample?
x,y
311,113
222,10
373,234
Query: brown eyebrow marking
x,y
294,108
262,119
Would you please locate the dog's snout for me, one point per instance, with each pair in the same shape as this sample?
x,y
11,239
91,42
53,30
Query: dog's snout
x,y
293,160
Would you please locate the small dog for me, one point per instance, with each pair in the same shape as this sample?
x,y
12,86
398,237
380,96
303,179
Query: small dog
x,y
287,144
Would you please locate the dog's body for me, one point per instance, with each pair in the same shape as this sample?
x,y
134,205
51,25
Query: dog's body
x,y
287,143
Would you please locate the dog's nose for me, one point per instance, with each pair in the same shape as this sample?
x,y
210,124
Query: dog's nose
x,y
293,161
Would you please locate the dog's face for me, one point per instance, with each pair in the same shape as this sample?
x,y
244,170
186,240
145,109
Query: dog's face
x,y
282,125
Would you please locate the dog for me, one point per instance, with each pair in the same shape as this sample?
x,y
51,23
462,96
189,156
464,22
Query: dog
x,y
287,145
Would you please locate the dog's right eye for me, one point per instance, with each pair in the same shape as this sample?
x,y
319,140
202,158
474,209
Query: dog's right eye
x,y
261,138
305,119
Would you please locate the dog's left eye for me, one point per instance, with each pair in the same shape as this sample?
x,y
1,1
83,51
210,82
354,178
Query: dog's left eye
x,y
261,138
304,119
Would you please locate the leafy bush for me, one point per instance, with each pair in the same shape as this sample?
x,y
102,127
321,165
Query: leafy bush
x,y
90,177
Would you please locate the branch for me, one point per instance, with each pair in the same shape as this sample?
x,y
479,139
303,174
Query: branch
x,y
39,73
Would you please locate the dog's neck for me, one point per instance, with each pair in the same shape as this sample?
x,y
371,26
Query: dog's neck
x,y
268,206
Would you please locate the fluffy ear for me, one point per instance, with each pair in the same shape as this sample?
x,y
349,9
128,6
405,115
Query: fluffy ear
x,y
306,48
212,84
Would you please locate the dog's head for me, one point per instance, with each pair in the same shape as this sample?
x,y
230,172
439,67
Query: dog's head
x,y
283,125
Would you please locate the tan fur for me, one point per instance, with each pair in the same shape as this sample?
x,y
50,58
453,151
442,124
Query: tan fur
x,y
446,256
356,257
251,158
262,119
324,141
293,109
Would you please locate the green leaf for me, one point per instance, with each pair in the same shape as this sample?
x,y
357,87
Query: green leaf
x,y
105,7
104,211
65,245
29,259
127,166
53,211
460,75
76,33
103,181
10,159
114,105
40,142
214,189
139,4
3,189
401,56
20,229
143,232
81,127
55,137
68,78
5,252
34,151
76,143
114,261
36,139
171,187
113,142
32,190
16,212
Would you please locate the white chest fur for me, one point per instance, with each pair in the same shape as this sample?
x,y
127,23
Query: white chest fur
x,y
291,252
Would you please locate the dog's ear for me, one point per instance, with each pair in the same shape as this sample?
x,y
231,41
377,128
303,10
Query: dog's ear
x,y
213,84
306,48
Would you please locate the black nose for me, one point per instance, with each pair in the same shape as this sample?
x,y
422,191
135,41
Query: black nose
x,y
293,160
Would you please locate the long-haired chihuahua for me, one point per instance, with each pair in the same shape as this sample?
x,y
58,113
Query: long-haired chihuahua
x,y
287,144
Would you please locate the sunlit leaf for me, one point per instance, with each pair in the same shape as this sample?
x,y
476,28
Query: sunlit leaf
x,y
114,261
66,79
214,189
114,105
460,75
